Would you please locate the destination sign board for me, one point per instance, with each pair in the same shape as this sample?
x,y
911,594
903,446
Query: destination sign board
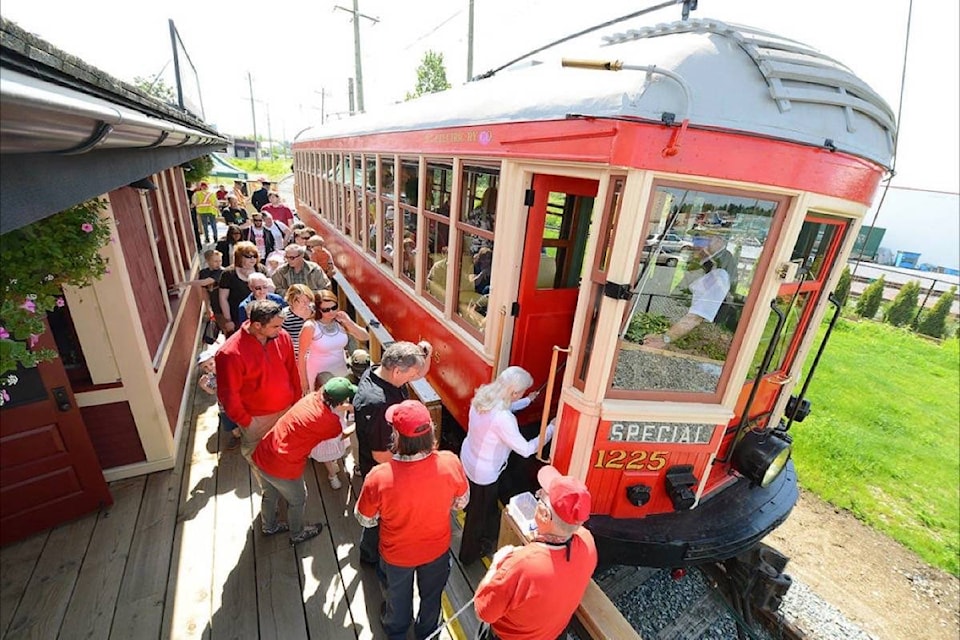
x,y
663,432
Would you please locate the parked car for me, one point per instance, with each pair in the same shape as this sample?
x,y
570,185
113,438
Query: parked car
x,y
670,243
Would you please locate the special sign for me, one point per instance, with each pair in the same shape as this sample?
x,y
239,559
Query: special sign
x,y
661,432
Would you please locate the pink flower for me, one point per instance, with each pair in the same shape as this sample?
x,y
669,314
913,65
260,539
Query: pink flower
x,y
107,270
87,227
29,305
60,302
4,334
34,339
4,395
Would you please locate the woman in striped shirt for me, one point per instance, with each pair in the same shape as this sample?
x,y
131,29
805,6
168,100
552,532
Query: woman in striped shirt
x,y
300,299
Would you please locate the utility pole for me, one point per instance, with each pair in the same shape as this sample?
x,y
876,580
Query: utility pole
x,y
253,112
350,95
269,133
323,104
470,44
356,48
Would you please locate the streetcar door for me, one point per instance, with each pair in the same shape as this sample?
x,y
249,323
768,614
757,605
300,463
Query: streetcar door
x,y
553,259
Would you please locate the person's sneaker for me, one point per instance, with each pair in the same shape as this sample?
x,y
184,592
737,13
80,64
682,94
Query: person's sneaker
x,y
335,482
309,531
279,527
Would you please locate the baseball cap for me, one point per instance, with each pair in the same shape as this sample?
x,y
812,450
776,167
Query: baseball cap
x,y
204,356
360,357
568,496
339,389
410,418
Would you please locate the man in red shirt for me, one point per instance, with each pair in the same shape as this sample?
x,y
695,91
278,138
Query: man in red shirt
x,y
282,455
278,210
530,592
257,376
411,497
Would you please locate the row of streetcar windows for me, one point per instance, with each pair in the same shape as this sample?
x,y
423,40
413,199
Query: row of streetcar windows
x,y
383,203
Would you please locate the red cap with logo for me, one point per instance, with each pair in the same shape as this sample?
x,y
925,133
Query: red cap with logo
x,y
568,496
410,418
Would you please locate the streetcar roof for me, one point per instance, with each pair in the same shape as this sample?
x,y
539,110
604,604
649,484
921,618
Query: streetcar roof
x,y
738,79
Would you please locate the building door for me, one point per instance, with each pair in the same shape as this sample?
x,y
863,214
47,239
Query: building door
x,y
553,261
49,471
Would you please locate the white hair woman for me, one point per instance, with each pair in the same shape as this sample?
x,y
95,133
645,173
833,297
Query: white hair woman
x,y
260,289
492,434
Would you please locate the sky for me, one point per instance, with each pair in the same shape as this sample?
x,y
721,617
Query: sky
x,y
299,55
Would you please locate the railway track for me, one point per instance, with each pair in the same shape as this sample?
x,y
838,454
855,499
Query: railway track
x,y
661,605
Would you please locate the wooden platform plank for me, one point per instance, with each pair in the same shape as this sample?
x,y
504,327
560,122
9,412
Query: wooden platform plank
x,y
279,603
234,579
17,563
189,598
91,610
463,582
143,588
47,595
360,583
325,600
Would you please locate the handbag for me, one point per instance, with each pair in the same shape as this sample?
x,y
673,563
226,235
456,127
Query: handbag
x,y
211,331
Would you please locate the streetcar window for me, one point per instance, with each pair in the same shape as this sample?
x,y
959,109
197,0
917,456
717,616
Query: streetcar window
x,y
438,189
478,215
386,177
695,272
564,240
388,210
369,204
409,196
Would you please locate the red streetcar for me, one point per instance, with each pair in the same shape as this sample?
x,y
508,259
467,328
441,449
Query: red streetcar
x,y
656,233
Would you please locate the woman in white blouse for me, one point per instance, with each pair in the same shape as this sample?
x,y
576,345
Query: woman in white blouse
x,y
492,434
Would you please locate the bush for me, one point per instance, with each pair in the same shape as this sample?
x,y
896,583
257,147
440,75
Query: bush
x,y
870,299
933,323
843,287
903,309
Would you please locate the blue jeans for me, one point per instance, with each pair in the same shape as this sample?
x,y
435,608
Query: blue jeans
x,y
293,491
431,578
208,221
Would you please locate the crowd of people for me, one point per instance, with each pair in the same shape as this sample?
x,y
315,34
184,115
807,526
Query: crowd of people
x,y
289,392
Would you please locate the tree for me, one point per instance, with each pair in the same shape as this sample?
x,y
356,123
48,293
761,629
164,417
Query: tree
x,y
870,299
904,307
197,169
431,75
156,88
934,322
843,287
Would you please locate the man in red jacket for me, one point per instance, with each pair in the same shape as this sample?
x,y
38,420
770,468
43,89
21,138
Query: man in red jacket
x,y
282,455
257,376
531,592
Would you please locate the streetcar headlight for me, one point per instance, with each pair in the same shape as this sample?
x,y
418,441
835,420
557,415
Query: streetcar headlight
x,y
760,457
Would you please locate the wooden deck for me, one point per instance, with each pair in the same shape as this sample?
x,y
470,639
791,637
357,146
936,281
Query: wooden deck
x,y
180,555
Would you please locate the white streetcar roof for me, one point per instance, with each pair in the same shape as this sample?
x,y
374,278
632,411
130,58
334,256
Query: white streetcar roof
x,y
738,79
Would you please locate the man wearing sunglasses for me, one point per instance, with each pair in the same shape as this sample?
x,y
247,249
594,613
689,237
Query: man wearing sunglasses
x,y
299,270
531,592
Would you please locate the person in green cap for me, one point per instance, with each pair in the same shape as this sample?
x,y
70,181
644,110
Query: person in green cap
x,y
281,456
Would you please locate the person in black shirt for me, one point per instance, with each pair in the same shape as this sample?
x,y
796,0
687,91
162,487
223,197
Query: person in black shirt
x,y
261,197
233,213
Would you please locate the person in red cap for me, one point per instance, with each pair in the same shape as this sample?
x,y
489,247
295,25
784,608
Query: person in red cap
x,y
281,456
411,497
530,592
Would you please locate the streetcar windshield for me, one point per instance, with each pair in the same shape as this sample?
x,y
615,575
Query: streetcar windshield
x,y
694,275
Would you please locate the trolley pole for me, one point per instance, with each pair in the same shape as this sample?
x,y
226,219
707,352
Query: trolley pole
x,y
358,66
470,43
253,113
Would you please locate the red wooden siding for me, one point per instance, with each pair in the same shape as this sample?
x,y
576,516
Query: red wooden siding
x,y
138,256
113,432
178,364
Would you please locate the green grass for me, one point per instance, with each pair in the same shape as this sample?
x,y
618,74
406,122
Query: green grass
x,y
272,169
883,438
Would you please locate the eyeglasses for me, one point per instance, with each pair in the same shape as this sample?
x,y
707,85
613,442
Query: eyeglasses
x,y
250,255
292,257
257,219
259,288
329,309
542,499
236,233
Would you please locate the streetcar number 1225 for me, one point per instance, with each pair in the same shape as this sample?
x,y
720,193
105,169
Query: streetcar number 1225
x,y
637,460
